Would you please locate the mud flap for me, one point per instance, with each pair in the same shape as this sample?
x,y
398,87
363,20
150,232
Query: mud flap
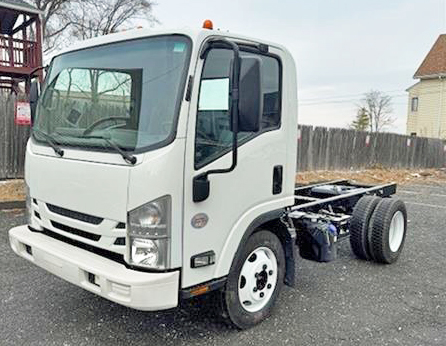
x,y
290,255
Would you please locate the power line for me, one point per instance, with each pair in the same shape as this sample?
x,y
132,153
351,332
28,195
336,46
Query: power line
x,y
344,96
303,103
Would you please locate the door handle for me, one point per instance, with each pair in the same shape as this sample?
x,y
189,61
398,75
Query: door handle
x,y
277,179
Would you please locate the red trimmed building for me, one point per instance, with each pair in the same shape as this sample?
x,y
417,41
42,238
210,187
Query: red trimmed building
x,y
20,43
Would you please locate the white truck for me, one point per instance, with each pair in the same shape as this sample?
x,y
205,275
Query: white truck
x,y
162,166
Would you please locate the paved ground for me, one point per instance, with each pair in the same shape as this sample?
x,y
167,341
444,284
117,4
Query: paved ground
x,y
348,302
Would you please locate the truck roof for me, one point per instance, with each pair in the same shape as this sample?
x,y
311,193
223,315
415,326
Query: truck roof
x,y
196,35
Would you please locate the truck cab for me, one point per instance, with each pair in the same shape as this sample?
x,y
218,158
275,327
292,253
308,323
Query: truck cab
x,y
161,167
152,156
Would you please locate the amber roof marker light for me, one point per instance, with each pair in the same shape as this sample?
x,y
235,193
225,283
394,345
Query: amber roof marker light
x,y
207,24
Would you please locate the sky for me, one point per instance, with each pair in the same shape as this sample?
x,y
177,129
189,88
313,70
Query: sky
x,y
342,48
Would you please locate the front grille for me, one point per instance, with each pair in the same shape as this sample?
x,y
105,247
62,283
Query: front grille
x,y
98,251
76,231
75,215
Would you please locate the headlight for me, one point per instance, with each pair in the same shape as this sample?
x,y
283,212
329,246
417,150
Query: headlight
x,y
148,230
145,251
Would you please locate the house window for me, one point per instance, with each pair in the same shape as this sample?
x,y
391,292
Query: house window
x,y
414,105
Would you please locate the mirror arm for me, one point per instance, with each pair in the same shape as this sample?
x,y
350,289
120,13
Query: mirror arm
x,y
37,69
201,182
234,107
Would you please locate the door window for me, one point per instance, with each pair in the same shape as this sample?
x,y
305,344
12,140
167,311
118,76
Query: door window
x,y
213,136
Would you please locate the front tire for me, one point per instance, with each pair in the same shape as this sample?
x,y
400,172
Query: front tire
x,y
254,281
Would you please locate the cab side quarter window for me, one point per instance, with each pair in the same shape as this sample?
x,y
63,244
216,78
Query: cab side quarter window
x,y
213,137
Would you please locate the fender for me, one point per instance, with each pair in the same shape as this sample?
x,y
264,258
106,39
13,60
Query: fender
x,y
285,232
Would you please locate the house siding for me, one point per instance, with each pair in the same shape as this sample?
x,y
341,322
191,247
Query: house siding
x,y
430,118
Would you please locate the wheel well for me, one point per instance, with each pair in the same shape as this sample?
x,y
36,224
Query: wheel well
x,y
270,221
274,226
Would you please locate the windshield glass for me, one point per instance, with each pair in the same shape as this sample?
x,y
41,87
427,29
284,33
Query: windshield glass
x,y
128,92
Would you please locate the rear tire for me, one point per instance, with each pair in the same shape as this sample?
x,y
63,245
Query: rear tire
x,y
254,281
387,230
359,226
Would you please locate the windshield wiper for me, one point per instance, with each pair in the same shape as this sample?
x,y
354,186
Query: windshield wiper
x,y
126,156
50,141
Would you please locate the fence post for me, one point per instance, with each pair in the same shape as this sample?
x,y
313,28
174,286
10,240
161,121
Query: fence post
x,y
310,149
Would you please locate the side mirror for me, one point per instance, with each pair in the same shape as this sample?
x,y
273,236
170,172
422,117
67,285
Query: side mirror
x,y
250,95
33,98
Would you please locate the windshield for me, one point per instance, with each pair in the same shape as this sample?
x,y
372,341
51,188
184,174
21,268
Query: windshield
x,y
128,92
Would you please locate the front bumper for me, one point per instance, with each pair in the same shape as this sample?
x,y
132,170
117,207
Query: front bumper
x,y
109,279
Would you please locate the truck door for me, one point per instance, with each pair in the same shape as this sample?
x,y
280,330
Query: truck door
x,y
236,198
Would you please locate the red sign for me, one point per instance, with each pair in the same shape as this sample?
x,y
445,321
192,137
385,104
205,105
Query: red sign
x,y
367,140
22,113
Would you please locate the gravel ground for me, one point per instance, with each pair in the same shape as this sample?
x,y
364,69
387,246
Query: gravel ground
x,y
434,176
12,190
346,302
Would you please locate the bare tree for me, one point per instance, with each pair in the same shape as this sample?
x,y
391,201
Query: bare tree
x,y
378,106
64,20
91,18
51,25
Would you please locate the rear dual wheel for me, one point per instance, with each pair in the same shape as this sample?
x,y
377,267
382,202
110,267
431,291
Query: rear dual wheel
x,y
387,230
359,226
378,229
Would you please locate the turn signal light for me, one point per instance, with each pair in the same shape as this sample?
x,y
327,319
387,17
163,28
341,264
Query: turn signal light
x,y
199,290
208,24
202,260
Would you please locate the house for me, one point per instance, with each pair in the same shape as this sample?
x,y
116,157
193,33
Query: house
x,y
20,43
427,98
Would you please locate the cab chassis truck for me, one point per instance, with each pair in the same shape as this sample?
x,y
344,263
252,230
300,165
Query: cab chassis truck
x,y
162,166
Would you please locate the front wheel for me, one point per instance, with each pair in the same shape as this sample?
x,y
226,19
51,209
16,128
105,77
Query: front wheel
x,y
254,281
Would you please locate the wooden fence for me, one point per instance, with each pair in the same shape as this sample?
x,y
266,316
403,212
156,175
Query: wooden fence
x,y
12,140
319,148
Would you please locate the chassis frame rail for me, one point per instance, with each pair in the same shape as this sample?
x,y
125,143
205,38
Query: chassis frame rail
x,y
333,201
305,199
